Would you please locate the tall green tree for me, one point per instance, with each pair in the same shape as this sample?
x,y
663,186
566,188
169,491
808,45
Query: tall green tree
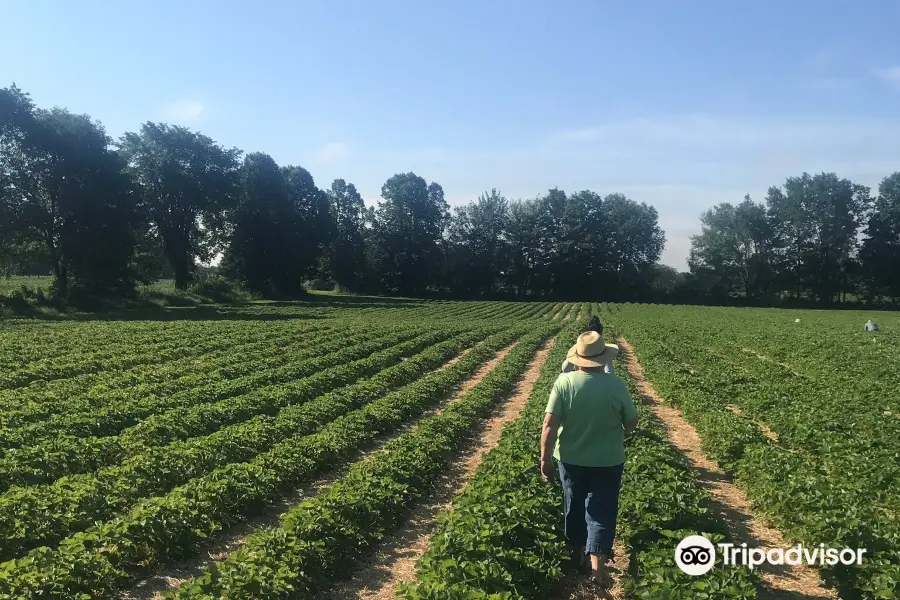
x,y
406,232
818,218
737,245
264,236
524,240
346,253
62,187
579,262
477,244
188,183
314,226
635,241
550,255
880,251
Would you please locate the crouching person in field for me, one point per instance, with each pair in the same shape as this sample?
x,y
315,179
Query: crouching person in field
x,y
589,415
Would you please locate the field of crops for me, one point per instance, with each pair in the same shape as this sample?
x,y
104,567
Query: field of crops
x,y
805,414
287,450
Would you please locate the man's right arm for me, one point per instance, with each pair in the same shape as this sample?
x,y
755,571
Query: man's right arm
x,y
630,425
629,412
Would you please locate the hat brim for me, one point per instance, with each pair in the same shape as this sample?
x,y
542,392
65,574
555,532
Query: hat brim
x,y
600,360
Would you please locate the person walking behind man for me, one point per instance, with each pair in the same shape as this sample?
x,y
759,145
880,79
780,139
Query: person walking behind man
x,y
588,416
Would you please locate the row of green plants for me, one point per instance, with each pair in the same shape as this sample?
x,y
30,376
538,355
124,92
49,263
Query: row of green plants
x,y
811,418
502,536
44,514
159,348
90,391
203,411
102,409
26,343
318,538
102,560
836,494
35,352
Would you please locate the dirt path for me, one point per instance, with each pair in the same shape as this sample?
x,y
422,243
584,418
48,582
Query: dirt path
x,y
787,582
394,560
766,359
171,576
560,312
766,431
577,587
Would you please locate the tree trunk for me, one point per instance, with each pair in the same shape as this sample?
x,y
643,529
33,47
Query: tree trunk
x,y
61,280
60,274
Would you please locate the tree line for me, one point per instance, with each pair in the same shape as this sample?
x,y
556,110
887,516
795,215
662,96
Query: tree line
x,y
102,215
818,239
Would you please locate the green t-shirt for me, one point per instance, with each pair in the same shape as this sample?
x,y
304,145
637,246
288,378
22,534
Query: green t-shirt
x,y
592,409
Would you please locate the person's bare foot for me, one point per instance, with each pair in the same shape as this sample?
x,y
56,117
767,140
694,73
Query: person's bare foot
x,y
600,570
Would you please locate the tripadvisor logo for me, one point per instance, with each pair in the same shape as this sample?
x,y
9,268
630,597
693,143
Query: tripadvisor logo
x,y
696,555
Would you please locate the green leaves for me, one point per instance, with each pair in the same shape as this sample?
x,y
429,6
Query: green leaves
x,y
172,526
502,537
829,470
326,531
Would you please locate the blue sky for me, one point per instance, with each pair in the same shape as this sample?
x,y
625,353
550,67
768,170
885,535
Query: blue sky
x,y
679,104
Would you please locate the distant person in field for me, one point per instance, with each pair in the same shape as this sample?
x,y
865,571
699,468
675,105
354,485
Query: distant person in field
x,y
593,325
588,416
871,325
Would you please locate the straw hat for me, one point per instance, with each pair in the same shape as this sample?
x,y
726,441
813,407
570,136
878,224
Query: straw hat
x,y
591,351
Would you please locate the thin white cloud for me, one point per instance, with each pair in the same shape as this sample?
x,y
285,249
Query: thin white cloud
x,y
706,131
183,111
333,152
889,74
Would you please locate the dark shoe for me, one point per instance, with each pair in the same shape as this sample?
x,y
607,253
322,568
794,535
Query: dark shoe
x,y
578,562
601,578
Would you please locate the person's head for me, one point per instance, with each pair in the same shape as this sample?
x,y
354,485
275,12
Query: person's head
x,y
595,325
591,353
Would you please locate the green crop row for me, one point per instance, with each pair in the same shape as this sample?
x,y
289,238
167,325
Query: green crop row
x,y
100,561
28,354
203,411
323,534
502,536
42,515
172,347
107,412
27,345
91,391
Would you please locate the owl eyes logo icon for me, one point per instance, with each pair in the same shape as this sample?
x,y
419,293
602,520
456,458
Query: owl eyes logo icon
x,y
695,555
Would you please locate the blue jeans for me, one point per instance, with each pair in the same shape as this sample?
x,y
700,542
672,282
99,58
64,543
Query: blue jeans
x,y
591,505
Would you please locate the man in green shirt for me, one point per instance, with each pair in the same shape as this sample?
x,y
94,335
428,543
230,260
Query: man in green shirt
x,y
588,416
